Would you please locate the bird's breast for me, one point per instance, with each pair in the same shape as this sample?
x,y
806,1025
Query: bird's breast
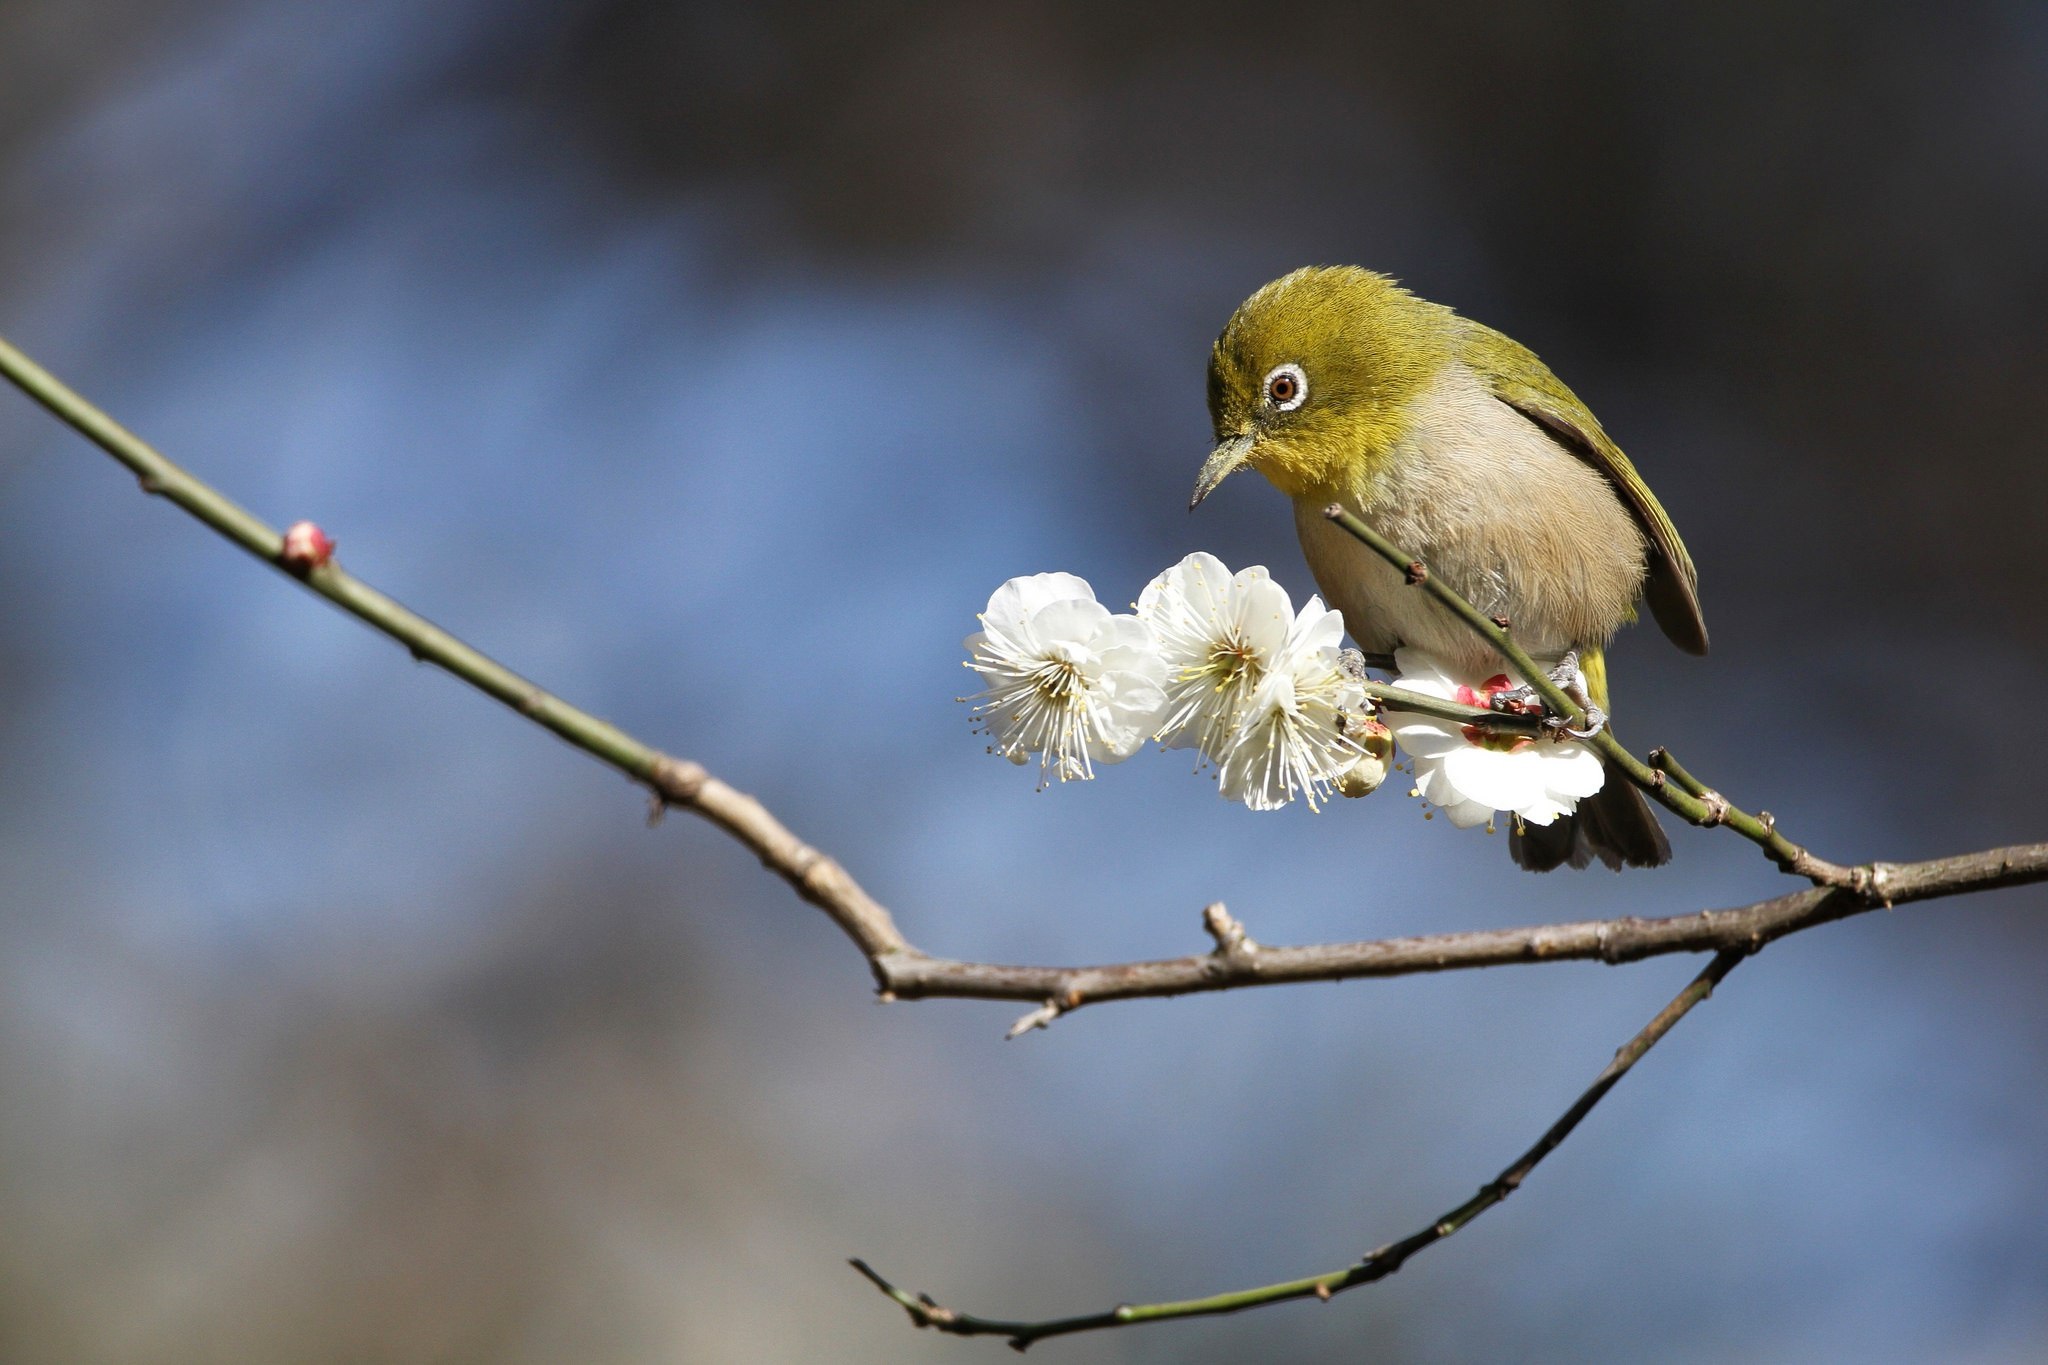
x,y
1499,510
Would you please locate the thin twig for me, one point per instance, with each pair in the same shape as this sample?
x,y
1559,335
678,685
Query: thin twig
x,y
674,781
926,1312
1401,699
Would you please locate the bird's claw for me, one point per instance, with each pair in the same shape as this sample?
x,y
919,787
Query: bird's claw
x,y
1596,721
1517,701
1524,701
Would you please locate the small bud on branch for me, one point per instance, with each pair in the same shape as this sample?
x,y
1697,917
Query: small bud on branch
x,y
306,547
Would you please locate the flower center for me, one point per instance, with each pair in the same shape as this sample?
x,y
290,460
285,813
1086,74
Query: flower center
x,y
1230,663
1058,681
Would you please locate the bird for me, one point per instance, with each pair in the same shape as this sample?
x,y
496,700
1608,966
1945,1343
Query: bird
x,y
1460,446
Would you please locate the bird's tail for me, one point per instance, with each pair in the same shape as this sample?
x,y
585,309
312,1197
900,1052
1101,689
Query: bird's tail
x,y
1614,824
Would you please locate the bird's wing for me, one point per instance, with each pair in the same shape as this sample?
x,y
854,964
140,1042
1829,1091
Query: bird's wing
x,y
1526,384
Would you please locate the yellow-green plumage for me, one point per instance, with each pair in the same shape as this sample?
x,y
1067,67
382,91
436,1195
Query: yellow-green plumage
x,y
1458,444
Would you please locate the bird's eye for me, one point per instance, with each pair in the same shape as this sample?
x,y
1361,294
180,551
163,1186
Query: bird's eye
x,y
1286,387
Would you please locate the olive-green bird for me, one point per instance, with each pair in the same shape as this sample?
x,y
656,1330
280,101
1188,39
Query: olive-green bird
x,y
1461,447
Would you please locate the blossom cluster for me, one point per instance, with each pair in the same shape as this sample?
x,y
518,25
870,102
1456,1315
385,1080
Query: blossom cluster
x,y
1223,664
1213,661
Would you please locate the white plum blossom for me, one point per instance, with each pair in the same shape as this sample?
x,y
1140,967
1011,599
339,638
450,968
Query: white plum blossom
x,y
1470,772
1219,634
1214,661
1067,680
1291,736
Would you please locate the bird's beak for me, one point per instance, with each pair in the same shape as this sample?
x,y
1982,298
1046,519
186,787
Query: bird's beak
x,y
1226,459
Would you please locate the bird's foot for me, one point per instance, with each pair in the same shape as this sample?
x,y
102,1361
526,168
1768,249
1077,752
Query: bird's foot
x,y
1568,677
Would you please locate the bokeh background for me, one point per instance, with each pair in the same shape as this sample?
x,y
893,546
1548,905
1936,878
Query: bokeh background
x,y
711,364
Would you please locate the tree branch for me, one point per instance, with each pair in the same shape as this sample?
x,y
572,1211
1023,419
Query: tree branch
x,y
927,1312
901,970
914,975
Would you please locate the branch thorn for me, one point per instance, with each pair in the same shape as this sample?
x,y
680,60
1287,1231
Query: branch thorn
x,y
1041,1017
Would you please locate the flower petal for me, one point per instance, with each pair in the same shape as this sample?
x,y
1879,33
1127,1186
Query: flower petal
x,y
1015,601
1261,614
1128,637
1317,628
1424,736
1069,621
1421,671
1468,814
1191,586
1573,770
1497,779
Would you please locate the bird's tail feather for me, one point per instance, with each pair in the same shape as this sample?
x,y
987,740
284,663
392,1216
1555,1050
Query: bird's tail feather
x,y
1614,824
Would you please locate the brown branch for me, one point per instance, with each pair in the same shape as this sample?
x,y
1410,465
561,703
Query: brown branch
x,y
1241,962
924,1311
814,876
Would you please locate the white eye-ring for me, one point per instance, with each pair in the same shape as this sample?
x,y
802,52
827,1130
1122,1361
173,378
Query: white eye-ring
x,y
1286,387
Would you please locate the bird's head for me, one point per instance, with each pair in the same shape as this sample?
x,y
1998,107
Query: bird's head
x,y
1311,379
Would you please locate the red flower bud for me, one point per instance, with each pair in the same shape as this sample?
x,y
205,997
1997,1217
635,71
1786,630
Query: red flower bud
x,y
306,547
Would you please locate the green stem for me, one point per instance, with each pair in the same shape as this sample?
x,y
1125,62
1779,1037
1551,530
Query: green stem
x,y
1418,575
1660,759
925,1312
427,641
1701,807
1400,699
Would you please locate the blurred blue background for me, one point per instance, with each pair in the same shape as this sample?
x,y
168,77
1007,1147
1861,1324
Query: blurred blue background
x,y
711,365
